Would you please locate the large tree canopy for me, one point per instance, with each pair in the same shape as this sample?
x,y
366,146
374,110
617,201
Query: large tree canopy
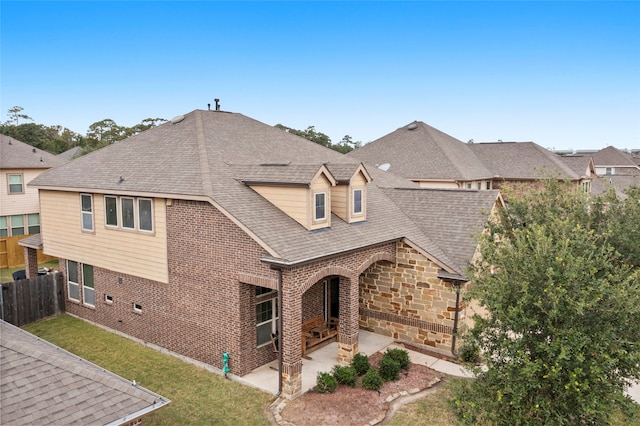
x,y
560,280
345,145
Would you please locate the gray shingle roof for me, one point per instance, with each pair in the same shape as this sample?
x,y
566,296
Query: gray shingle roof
x,y
521,160
580,164
44,384
611,156
19,155
452,218
419,151
204,155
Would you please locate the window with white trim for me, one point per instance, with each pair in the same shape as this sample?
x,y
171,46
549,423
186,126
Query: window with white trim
x,y
145,214
111,210
73,285
357,201
488,184
33,221
320,206
17,225
15,184
4,230
88,292
127,211
266,318
87,211
137,308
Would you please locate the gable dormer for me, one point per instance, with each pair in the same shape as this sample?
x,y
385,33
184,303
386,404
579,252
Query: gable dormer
x,y
302,191
349,195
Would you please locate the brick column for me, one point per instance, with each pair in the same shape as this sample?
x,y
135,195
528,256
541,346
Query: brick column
x,y
30,262
348,337
291,337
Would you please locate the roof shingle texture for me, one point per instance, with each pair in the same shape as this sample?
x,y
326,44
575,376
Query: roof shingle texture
x,y
19,155
44,384
207,155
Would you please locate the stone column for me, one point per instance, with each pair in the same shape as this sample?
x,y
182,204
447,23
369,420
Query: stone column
x,y
31,262
291,338
348,336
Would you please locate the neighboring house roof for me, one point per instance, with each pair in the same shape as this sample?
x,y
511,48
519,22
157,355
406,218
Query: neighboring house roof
x,y
521,160
199,156
613,157
70,153
44,384
19,155
419,151
453,218
616,182
582,165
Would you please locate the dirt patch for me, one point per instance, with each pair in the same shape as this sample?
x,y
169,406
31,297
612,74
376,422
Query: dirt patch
x,y
355,406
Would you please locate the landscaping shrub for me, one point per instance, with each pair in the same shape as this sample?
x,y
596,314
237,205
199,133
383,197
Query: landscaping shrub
x,y
360,363
389,368
372,380
470,353
326,383
400,356
346,375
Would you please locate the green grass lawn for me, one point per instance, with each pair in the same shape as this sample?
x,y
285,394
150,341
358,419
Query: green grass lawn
x,y
6,274
198,397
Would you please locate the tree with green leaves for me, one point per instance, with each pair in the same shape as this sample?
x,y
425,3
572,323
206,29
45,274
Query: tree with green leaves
x,y
560,339
310,133
15,114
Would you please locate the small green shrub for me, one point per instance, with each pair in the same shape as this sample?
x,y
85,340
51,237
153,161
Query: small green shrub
x,y
346,375
400,356
372,380
389,368
360,363
326,383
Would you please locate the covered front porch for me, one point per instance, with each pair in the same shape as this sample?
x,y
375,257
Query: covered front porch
x,y
323,359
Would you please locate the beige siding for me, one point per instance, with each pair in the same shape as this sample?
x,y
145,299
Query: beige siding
x,y
136,253
291,200
339,201
358,182
19,203
437,184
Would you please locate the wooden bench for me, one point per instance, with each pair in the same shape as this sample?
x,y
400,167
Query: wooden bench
x,y
317,330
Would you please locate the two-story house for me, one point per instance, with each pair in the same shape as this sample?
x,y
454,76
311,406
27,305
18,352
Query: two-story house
x,y
19,208
212,232
434,159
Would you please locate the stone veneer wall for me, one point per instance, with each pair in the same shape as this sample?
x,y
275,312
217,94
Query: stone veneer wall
x,y
408,301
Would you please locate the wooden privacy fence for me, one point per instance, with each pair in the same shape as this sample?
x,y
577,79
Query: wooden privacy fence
x,y
30,300
12,254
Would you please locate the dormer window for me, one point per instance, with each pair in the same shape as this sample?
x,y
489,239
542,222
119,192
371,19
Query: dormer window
x,y
357,201
320,206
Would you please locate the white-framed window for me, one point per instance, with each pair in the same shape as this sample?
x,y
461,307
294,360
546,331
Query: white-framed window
x,y
137,308
479,186
488,184
15,184
320,206
468,185
88,291
586,186
127,212
86,201
145,214
17,225
108,299
33,221
357,201
266,318
608,171
111,210
73,284
4,230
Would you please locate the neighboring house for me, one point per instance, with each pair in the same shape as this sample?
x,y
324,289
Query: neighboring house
x,y
44,384
434,159
71,153
19,206
202,234
584,167
611,161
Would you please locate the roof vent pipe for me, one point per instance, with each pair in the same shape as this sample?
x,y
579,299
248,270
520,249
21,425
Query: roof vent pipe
x,y
217,104
209,107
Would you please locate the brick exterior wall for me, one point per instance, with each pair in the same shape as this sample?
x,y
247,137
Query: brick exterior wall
x,y
408,301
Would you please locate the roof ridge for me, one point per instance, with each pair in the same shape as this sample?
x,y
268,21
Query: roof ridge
x,y
203,156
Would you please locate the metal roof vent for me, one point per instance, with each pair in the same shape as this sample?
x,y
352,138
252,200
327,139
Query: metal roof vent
x,y
177,119
384,167
412,126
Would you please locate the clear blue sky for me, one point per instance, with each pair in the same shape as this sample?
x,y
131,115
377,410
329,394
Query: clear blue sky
x,y
565,75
